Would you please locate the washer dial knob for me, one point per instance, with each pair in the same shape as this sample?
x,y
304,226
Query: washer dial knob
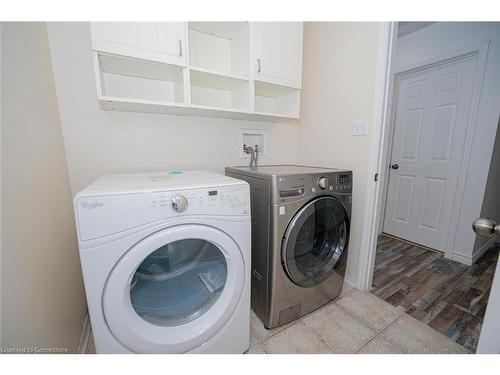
x,y
179,203
322,183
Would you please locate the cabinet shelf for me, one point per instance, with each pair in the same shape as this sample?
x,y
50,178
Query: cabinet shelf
x,y
218,76
276,100
132,78
152,106
219,91
207,78
111,103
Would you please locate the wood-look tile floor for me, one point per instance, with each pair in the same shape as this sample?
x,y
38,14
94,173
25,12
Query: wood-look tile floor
x,y
447,296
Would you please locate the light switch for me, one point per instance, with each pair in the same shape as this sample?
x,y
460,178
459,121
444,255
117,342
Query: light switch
x,y
360,127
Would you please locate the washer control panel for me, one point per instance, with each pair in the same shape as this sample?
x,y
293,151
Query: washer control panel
x,y
343,182
343,178
323,182
228,200
103,215
294,187
179,203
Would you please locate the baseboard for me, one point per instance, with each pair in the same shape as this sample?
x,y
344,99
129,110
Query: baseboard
x,y
412,243
479,253
468,260
350,282
84,338
461,258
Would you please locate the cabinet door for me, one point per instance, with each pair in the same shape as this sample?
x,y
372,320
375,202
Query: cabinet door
x,y
157,41
278,52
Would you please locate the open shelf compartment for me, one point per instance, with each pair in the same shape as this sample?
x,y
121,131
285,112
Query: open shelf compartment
x,y
221,47
135,79
275,100
219,91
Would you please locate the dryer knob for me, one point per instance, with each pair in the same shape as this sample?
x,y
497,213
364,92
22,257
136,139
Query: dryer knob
x,y
179,203
322,182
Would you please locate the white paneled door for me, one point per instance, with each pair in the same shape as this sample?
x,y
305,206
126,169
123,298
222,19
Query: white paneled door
x,y
431,124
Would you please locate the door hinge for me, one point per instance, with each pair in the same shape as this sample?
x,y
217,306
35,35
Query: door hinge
x,y
375,178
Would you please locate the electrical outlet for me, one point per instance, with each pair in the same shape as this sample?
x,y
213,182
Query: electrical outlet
x,y
360,127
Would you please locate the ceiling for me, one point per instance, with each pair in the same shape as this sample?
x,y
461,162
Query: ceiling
x,y
405,28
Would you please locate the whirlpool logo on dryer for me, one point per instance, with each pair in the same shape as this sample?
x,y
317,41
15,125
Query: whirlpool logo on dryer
x,y
92,204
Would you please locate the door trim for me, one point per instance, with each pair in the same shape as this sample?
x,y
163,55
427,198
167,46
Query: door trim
x,y
382,97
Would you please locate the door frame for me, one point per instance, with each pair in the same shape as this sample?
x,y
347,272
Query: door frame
x,y
382,136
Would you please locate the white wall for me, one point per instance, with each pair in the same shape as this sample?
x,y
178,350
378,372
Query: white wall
x,y
42,297
338,88
445,38
99,142
491,201
405,28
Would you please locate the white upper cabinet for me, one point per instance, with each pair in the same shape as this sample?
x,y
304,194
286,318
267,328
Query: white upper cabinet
x,y
241,69
278,52
157,41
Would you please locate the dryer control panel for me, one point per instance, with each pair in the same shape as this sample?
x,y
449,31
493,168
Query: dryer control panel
x,y
99,216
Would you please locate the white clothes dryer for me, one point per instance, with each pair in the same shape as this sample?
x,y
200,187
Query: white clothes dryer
x,y
166,262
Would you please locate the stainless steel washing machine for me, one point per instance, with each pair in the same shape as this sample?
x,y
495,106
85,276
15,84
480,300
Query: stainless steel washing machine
x,y
300,235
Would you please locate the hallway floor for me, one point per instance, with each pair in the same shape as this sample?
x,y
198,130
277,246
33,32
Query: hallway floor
x,y
447,296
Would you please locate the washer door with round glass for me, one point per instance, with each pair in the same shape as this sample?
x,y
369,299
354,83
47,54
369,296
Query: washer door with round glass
x,y
315,241
174,290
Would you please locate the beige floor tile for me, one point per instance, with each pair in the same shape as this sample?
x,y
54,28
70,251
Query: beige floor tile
x,y
296,339
259,332
381,345
373,311
253,340
415,337
346,290
342,331
90,349
256,349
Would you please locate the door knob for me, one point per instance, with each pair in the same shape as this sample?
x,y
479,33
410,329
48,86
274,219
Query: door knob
x,y
486,227
394,166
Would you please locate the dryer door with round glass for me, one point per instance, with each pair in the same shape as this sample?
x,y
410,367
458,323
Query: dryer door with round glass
x,y
174,290
315,241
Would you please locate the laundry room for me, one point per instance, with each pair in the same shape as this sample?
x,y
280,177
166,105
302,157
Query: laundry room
x,y
237,186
